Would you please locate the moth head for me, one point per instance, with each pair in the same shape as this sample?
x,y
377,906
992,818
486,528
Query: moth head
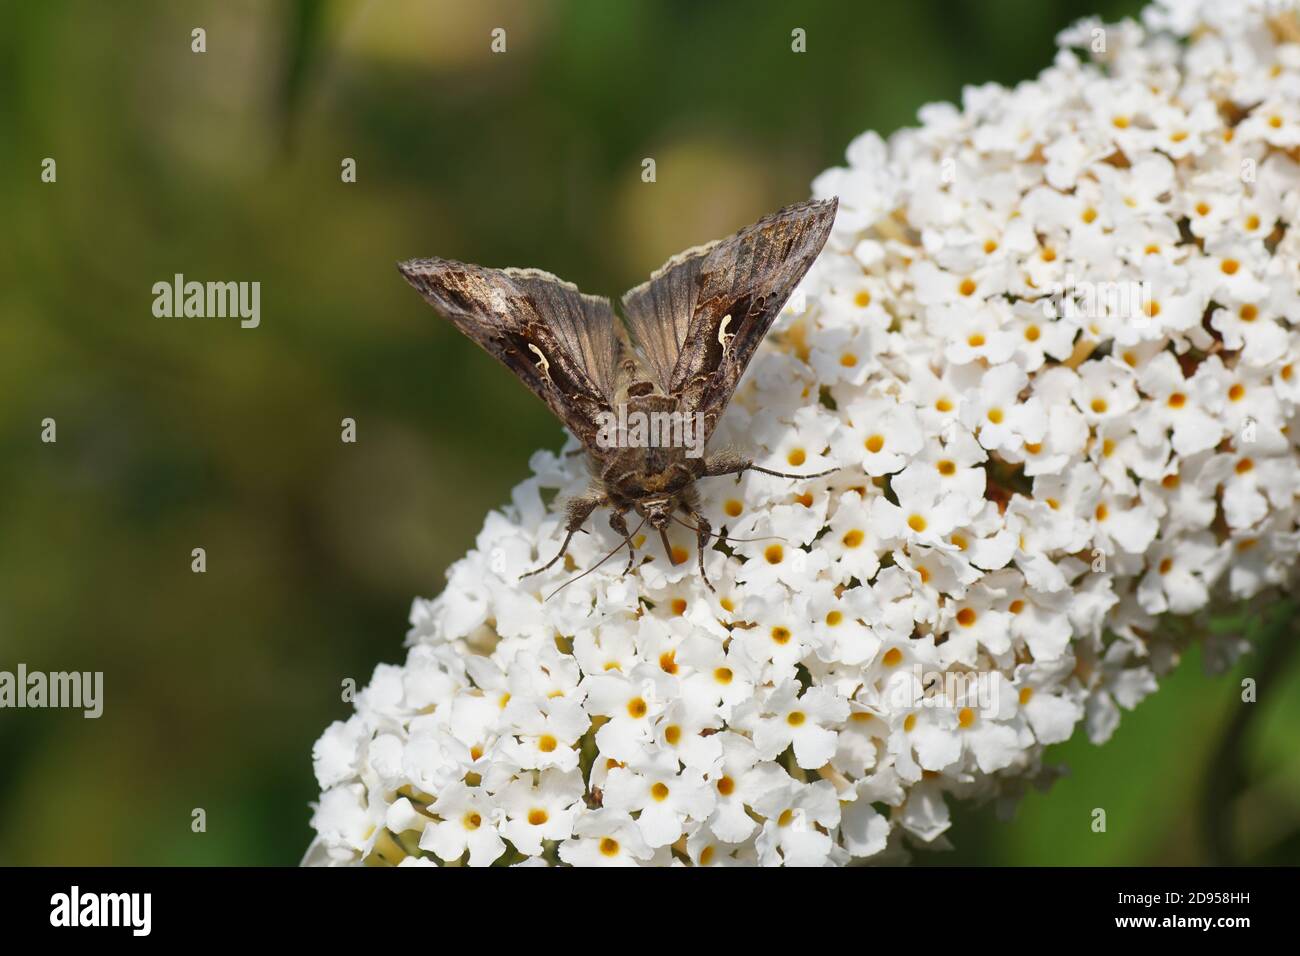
x,y
657,511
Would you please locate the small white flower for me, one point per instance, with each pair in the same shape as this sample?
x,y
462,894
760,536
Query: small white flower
x,y
663,796
606,838
882,435
469,822
798,816
786,719
540,809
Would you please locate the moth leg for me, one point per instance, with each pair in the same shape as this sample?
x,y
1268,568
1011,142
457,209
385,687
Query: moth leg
x,y
786,474
579,510
723,463
619,524
729,463
703,531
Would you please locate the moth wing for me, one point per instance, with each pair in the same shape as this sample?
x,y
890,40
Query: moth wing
x,y
707,310
659,311
744,282
565,346
585,326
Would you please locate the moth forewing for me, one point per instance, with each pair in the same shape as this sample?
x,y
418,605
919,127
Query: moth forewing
x,y
561,344
695,326
744,282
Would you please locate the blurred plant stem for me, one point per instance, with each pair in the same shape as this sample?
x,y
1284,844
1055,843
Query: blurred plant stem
x,y
303,47
1275,642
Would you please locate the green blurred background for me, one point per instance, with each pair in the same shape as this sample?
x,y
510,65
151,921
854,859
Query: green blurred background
x,y
175,434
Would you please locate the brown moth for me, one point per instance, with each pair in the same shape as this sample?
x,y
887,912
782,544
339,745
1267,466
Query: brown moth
x,y
690,332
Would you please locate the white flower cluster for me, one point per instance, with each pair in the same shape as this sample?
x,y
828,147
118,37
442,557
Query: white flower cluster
x,y
1051,347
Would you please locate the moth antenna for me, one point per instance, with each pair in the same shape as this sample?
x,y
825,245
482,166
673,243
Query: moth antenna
x,y
623,544
723,537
